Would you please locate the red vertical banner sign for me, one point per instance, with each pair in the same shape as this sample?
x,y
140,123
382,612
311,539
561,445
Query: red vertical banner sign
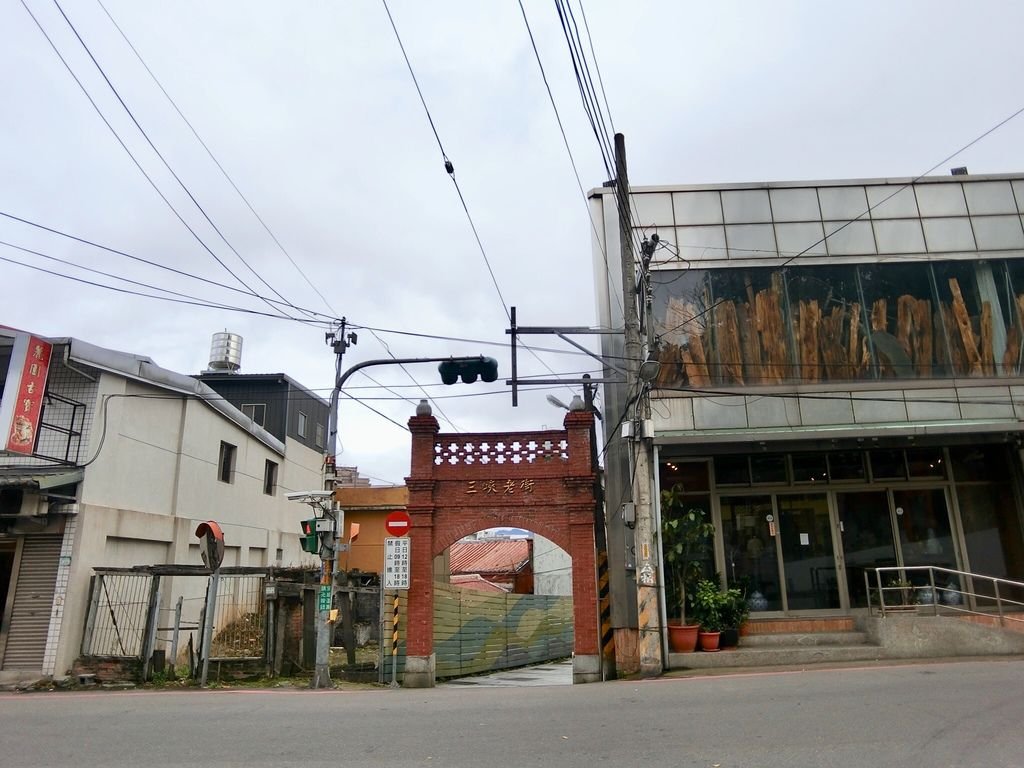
x,y
22,403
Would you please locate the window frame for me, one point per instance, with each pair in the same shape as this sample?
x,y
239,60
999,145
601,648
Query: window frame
x,y
262,421
226,462
301,424
270,470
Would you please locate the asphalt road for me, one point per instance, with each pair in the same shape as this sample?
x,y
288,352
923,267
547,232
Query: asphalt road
x,y
955,714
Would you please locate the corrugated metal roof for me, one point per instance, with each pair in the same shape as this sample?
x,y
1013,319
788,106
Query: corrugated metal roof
x,y
29,477
489,556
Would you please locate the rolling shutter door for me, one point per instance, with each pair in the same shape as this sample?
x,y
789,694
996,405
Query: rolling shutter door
x,y
33,602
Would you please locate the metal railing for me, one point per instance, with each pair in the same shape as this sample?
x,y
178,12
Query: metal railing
x,y
912,587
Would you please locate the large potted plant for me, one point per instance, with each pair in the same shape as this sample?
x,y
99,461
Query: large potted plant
x,y
709,607
685,536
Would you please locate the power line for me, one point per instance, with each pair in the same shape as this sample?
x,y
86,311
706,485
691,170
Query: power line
x,y
448,165
151,263
223,171
124,146
197,303
572,160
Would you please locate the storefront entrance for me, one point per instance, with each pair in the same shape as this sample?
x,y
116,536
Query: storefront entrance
x,y
798,552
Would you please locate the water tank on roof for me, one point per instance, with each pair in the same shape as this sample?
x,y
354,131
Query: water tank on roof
x,y
226,352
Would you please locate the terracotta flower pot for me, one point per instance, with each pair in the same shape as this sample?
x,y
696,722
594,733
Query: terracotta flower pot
x,y
682,638
709,640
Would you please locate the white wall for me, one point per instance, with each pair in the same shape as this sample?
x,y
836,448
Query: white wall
x,y
552,568
155,478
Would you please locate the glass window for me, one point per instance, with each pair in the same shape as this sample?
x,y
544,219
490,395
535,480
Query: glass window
x,y
849,238
652,210
700,243
769,468
844,203
899,306
1011,286
806,239
697,207
319,439
998,232
301,425
846,465
747,340
899,236
892,201
751,241
692,475
823,302
926,463
947,235
887,465
989,197
732,470
979,462
810,468
968,319
1018,194
226,463
940,199
257,412
795,205
746,206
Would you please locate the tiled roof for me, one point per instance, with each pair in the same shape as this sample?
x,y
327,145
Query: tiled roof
x,y
477,582
491,557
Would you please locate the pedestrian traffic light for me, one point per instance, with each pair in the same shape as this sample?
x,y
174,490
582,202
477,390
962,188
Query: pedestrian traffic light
x,y
309,540
468,369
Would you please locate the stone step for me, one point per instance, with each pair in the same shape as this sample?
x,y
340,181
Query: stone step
x,y
773,656
803,639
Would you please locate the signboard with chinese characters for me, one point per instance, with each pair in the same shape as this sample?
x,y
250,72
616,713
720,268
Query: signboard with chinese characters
x,y
22,403
396,562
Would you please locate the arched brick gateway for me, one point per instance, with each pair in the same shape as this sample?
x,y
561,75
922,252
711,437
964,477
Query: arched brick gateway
x,y
461,483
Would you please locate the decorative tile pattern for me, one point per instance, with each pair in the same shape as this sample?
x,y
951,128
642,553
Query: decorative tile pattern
x,y
499,451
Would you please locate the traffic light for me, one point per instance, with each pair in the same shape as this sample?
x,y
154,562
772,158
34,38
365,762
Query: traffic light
x,y
468,369
309,540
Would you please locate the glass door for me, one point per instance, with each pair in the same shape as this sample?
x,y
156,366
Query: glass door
x,y
751,559
808,554
922,519
866,532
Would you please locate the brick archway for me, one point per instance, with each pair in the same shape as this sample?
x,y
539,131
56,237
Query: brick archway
x,y
462,483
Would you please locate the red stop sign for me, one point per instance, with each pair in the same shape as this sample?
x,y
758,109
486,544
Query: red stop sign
x,y
397,523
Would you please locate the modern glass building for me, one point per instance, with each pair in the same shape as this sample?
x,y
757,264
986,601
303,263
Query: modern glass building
x,y
841,378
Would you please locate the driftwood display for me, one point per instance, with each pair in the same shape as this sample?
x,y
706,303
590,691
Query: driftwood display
x,y
753,341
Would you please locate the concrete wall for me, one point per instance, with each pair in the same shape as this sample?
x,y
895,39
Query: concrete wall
x,y
552,568
937,636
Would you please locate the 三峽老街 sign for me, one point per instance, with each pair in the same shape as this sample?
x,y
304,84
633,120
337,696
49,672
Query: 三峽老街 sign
x,y
396,562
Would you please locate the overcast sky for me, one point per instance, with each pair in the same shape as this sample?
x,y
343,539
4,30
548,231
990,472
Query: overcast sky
x,y
310,109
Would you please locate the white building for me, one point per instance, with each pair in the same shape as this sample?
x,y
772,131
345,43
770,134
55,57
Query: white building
x,y
128,459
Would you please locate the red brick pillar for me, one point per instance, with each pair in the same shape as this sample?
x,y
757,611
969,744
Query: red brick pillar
x,y
419,639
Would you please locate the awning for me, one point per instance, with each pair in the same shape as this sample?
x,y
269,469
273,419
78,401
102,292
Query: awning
x,y
41,480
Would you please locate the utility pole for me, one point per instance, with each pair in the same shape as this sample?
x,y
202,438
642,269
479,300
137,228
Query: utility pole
x,y
648,613
339,341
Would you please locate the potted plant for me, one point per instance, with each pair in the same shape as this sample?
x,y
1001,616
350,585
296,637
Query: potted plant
x,y
709,605
734,615
685,534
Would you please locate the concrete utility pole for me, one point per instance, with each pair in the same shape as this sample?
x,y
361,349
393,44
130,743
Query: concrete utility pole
x,y
648,614
339,341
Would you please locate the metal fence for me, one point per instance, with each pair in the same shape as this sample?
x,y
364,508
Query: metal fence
x,y
116,623
239,618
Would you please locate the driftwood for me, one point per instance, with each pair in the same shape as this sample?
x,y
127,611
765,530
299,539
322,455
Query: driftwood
x,y
808,333
966,332
768,311
730,355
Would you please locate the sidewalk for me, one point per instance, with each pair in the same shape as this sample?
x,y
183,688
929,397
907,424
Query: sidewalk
x,y
553,673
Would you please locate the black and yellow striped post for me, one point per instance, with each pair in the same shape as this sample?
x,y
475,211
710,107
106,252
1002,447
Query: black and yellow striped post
x,y
605,607
394,645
